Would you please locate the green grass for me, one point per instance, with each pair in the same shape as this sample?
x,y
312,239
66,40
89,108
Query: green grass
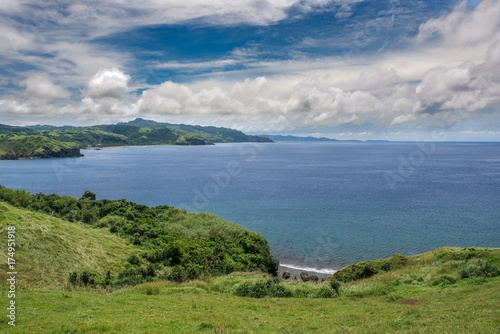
x,y
190,308
33,146
48,248
449,290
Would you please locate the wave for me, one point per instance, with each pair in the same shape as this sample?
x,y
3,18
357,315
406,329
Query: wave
x,y
308,269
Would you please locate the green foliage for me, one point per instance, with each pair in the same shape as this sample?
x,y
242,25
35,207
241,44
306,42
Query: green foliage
x,y
177,245
49,141
477,268
206,133
13,147
260,287
48,249
89,194
335,285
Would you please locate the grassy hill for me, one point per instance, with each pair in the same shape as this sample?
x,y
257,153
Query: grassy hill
x,y
175,245
448,290
209,133
45,141
49,248
13,147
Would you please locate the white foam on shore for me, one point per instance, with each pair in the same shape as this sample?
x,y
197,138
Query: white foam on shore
x,y
308,269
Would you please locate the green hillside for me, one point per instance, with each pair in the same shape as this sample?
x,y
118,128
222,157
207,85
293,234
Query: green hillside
x,y
49,248
45,141
13,147
208,133
449,290
175,245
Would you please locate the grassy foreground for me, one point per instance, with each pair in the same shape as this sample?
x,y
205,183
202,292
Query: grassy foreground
x,y
449,290
188,308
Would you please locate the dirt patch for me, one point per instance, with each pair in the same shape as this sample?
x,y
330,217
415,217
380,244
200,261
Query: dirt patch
x,y
410,302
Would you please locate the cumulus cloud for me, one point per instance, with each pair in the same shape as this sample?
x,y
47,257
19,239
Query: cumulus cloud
x,y
40,86
465,26
467,87
415,86
108,83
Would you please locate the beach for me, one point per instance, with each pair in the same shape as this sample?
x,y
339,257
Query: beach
x,y
295,271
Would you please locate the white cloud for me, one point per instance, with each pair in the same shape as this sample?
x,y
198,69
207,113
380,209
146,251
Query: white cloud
x,y
416,86
40,86
108,83
465,26
403,119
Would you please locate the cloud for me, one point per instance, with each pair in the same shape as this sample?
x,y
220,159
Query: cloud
x,y
464,26
40,86
399,89
467,87
108,83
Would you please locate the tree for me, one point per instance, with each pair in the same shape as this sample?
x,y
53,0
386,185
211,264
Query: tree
x,y
89,194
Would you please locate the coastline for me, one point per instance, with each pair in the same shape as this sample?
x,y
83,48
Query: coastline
x,y
296,270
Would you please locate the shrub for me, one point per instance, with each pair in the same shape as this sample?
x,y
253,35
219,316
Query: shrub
x,y
324,291
335,285
443,279
255,290
478,268
134,260
279,291
73,278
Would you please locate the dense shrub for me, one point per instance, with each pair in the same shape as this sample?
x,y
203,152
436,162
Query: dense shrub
x,y
478,268
191,245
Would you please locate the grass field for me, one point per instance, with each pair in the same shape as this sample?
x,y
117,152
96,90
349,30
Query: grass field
x,y
175,308
448,290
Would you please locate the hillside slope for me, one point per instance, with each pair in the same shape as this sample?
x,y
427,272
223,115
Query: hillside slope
x,y
175,245
48,248
14,147
208,133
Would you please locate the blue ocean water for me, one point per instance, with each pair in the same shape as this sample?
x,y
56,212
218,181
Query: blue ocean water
x,y
320,205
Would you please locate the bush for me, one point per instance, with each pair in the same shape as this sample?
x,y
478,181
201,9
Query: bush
x,y
73,278
134,260
192,244
443,279
335,285
255,290
478,268
324,291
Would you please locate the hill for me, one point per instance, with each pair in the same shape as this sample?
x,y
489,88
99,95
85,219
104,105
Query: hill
x,y
14,147
49,248
175,245
298,138
64,265
46,141
209,133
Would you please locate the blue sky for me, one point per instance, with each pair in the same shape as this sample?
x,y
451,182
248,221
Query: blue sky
x,y
398,70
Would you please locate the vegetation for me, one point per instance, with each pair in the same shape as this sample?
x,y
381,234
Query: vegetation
x,y
209,133
100,266
44,141
13,147
48,248
175,244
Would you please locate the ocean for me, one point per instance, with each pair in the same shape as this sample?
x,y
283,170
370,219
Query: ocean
x,y
320,205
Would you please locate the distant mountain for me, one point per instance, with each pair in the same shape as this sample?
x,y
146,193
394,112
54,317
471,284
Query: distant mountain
x,y
209,133
297,138
280,138
45,141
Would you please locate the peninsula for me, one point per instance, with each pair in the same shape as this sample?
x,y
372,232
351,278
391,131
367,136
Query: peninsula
x,y
46,141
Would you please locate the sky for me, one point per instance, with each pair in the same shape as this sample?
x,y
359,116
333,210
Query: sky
x,y
345,69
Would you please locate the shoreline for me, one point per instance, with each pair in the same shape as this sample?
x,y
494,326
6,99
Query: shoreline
x,y
296,270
